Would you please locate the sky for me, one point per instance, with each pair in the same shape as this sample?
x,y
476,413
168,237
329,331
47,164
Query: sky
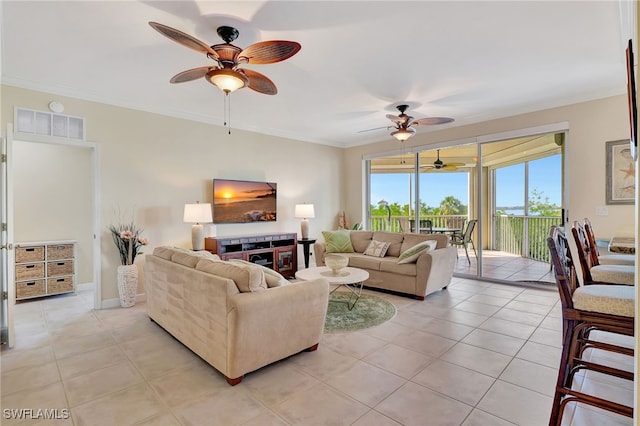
x,y
544,175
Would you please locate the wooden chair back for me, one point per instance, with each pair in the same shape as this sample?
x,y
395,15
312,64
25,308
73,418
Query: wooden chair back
x,y
562,266
584,250
588,229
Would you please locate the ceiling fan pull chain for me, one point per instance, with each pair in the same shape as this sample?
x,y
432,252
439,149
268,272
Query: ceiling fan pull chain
x,y
229,111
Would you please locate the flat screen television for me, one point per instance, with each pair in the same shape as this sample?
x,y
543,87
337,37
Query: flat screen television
x,y
242,201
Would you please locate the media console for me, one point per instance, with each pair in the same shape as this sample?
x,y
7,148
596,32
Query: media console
x,y
275,251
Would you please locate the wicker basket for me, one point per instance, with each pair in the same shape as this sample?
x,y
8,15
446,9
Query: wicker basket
x,y
29,254
60,251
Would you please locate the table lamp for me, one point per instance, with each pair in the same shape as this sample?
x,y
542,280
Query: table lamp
x,y
304,211
197,214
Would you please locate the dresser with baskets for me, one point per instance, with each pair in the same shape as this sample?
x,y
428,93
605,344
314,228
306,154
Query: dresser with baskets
x,y
44,268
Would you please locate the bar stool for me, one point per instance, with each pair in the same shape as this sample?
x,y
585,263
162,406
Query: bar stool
x,y
601,307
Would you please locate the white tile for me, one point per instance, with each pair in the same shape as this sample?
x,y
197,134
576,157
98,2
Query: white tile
x,y
516,404
366,383
481,360
494,342
398,360
413,404
532,376
457,382
509,328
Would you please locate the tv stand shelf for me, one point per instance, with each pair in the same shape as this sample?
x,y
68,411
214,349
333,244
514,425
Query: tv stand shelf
x,y
275,251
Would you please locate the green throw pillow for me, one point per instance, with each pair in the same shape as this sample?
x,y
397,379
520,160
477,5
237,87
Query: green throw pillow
x,y
412,254
338,241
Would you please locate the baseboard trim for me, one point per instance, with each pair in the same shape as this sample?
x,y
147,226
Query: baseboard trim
x,y
85,287
115,303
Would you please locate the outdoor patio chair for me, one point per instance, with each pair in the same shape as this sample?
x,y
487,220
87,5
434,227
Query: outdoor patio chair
x,y
585,310
463,240
605,259
426,226
613,274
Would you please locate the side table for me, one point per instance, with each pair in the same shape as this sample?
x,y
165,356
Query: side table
x,y
306,244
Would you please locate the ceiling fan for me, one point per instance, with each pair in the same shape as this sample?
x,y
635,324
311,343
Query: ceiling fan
x,y
403,124
226,73
440,165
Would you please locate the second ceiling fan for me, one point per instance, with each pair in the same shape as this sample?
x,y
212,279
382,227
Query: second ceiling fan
x,y
441,165
404,124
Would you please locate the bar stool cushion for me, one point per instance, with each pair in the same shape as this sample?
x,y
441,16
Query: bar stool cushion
x,y
617,274
606,299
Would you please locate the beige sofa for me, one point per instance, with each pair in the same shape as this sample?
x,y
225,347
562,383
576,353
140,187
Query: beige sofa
x,y
432,270
236,332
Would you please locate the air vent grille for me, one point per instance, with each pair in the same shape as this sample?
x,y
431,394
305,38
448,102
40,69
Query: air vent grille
x,y
47,123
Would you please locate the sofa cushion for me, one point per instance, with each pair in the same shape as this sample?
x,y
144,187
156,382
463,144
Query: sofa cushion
x,y
247,278
338,241
411,255
391,265
183,256
360,240
358,260
393,238
273,278
377,248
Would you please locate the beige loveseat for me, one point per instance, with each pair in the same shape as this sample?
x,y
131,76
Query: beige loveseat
x,y
431,271
236,332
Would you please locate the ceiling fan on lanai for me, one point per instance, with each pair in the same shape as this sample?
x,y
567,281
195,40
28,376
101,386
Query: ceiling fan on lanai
x,y
441,165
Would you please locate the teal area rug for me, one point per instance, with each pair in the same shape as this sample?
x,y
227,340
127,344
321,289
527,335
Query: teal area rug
x,y
368,312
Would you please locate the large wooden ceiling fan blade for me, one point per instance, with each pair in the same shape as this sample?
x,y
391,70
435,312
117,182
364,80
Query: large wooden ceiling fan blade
x,y
184,39
259,82
431,121
190,75
269,52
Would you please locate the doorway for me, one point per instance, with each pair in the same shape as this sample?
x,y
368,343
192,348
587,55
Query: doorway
x,y
53,185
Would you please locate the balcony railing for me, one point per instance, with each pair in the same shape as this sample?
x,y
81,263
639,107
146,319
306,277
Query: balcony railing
x,y
525,236
399,223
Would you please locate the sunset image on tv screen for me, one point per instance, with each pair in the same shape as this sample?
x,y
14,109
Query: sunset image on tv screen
x,y
237,201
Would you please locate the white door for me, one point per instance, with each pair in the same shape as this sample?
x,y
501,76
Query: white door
x,y
6,245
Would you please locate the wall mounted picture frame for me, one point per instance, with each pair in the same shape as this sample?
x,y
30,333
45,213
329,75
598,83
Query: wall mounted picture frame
x,y
621,173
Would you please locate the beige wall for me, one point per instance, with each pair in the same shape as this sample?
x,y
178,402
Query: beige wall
x,y
591,125
152,165
53,198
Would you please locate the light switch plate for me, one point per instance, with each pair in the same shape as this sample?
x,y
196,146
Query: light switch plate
x,y
602,211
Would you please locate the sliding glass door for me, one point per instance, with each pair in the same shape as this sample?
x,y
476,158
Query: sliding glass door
x,y
508,192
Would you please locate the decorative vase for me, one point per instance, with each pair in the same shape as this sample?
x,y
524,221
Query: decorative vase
x,y
127,285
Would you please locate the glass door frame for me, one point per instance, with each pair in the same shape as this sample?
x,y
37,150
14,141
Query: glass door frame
x,y
481,180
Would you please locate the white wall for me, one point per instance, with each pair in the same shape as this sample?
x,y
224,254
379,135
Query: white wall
x,y
151,165
52,196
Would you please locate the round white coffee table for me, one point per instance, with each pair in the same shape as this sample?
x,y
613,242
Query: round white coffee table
x,y
351,278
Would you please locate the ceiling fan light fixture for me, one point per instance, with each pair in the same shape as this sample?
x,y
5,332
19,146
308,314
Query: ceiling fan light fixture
x,y
403,134
227,80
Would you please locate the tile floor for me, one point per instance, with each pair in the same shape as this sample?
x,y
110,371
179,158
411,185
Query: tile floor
x,y
476,354
499,265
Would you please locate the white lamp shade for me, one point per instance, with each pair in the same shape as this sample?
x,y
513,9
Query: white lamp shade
x,y
304,211
197,213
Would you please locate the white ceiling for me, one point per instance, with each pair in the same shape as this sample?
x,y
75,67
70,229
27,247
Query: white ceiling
x,y
471,61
